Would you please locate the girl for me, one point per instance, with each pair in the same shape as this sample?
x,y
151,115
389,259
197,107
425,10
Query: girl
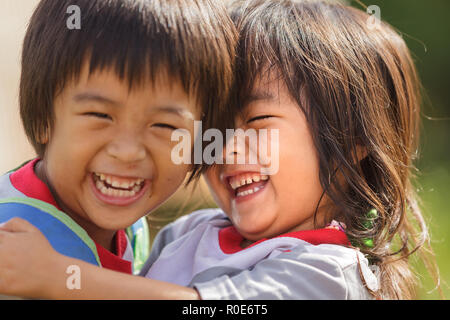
x,y
336,221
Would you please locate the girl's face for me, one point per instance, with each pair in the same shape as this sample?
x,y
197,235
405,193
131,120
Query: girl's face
x,y
285,200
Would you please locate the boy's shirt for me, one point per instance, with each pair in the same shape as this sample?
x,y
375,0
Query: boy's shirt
x,y
25,181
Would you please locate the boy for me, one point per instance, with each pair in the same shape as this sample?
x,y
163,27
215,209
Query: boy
x,y
99,104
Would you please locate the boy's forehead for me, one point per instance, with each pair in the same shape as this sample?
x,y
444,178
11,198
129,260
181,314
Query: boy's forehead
x,y
106,86
111,78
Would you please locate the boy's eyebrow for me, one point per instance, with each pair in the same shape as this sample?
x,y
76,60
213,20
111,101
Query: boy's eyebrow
x,y
89,96
181,112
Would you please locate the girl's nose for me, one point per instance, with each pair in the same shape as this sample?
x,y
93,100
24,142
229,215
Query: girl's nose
x,y
241,148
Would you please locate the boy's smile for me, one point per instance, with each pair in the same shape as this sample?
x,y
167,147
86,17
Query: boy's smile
x,y
107,159
117,190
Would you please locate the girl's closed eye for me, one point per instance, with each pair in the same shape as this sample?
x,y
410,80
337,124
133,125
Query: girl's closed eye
x,y
259,118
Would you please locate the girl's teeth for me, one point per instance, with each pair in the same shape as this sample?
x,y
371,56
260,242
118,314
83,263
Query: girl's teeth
x,y
247,192
125,185
239,183
115,184
99,185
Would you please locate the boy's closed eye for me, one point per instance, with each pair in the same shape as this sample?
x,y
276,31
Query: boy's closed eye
x,y
98,115
105,116
164,126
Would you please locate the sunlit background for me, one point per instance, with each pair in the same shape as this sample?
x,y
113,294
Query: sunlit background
x,y
425,26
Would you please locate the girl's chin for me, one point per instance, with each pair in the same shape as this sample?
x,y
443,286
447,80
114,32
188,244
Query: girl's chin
x,y
253,231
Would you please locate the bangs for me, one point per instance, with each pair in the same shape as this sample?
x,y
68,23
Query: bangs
x,y
138,40
263,47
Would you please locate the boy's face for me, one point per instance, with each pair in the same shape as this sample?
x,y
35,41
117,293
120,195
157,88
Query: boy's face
x,y
108,156
263,206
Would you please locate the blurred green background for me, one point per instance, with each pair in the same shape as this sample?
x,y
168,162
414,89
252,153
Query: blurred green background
x,y
425,26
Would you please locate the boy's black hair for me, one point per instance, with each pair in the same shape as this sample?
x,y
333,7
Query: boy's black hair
x,y
191,40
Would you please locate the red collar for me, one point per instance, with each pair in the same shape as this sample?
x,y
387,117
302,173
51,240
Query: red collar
x,y
26,181
114,262
230,239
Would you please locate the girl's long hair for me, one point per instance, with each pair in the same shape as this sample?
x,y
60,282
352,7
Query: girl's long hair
x,y
363,102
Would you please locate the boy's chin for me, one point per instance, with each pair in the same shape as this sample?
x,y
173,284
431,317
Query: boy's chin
x,y
109,219
107,224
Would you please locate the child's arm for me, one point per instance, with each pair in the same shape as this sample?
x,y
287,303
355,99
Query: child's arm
x,y
30,267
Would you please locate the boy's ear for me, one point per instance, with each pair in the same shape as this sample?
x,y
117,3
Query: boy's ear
x,y
44,136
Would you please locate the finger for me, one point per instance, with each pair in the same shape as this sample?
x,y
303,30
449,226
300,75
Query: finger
x,y
18,225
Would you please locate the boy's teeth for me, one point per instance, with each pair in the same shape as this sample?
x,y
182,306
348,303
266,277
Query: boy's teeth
x,y
109,185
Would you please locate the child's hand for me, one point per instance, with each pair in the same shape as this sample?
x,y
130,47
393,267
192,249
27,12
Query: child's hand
x,y
26,260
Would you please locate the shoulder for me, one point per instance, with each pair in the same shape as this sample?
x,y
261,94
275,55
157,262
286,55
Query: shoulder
x,y
7,190
179,228
306,272
335,266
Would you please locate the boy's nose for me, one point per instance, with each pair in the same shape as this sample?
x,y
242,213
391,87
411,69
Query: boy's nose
x,y
126,147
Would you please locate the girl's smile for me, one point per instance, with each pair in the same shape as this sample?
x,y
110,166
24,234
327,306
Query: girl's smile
x,y
246,184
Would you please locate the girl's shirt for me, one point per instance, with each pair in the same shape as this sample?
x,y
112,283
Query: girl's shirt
x,y
202,250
